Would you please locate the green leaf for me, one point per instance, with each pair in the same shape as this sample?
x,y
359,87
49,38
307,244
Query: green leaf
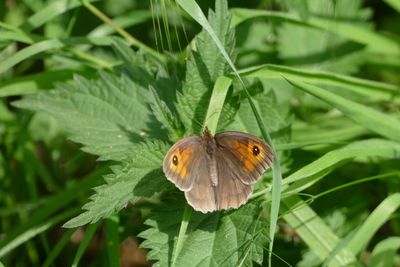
x,y
50,11
375,41
28,84
138,176
319,49
232,238
313,230
371,225
204,66
217,100
383,124
361,90
166,118
394,4
384,252
107,115
313,172
34,230
45,216
43,46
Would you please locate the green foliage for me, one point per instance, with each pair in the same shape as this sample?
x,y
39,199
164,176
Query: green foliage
x,y
138,176
203,68
318,49
241,233
67,72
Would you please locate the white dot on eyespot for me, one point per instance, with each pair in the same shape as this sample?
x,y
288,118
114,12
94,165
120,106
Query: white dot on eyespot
x,y
142,133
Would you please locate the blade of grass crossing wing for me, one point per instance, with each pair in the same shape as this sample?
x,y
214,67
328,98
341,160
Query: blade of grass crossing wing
x,y
191,7
90,231
376,121
217,100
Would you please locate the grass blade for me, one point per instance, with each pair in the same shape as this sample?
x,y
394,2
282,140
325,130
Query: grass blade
x,y
217,100
313,231
53,204
112,239
384,252
371,119
58,247
35,230
90,231
46,45
394,4
374,221
313,172
376,42
182,232
52,10
369,90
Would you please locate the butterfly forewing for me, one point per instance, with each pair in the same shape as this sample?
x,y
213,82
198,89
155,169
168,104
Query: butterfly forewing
x,y
182,162
250,154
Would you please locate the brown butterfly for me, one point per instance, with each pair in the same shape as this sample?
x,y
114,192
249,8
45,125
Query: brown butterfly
x,y
217,172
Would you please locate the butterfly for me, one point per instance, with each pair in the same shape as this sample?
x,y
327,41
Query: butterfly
x,y
217,172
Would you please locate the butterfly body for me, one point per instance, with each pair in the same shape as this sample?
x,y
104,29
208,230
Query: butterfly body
x,y
217,172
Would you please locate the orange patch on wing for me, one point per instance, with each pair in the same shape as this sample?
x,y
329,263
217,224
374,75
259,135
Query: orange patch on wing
x,y
183,158
248,159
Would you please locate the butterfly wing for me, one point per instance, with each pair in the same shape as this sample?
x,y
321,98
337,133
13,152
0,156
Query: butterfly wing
x,y
247,154
202,196
223,180
182,161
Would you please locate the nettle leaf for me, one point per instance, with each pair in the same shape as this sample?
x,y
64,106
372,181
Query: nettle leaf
x,y
231,238
147,71
313,48
166,118
138,176
203,68
107,115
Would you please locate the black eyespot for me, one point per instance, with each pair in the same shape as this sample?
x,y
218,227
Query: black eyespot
x,y
175,160
256,151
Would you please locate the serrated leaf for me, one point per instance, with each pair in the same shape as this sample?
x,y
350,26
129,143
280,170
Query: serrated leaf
x,y
107,115
125,183
166,118
205,65
231,238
